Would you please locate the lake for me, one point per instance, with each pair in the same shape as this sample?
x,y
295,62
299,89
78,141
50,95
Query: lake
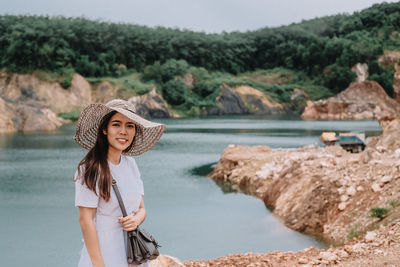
x,y
190,216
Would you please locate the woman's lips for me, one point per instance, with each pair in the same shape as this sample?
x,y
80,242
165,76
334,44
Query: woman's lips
x,y
122,140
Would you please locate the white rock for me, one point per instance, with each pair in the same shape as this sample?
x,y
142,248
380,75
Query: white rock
x,y
351,191
360,188
302,261
342,205
359,247
376,187
397,153
342,254
166,261
327,256
344,198
370,236
381,149
385,179
341,190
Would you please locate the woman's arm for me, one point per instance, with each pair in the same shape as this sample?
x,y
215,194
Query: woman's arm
x,y
90,235
130,223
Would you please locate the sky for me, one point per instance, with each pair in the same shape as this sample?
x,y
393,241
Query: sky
x,y
212,16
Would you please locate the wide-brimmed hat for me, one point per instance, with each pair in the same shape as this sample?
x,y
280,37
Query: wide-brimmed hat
x,y
147,132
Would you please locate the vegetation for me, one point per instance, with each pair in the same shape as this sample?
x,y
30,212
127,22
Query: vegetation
x,y
379,213
70,115
314,55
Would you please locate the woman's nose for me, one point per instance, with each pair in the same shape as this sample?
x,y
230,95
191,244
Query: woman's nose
x,y
123,130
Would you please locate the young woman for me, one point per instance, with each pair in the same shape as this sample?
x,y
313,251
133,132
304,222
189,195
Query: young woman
x,y
110,132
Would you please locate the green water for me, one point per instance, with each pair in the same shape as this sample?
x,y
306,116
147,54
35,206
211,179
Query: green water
x,y
189,214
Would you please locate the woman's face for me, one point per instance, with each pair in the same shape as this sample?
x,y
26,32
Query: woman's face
x,y
120,132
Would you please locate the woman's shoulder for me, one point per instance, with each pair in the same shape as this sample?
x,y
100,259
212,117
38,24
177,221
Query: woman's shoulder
x,y
131,162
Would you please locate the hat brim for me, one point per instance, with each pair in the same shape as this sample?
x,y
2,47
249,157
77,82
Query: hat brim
x,y
147,135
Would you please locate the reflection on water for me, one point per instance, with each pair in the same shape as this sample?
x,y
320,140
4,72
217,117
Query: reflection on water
x,y
190,216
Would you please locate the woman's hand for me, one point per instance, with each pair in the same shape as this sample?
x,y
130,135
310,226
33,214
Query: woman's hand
x,y
129,223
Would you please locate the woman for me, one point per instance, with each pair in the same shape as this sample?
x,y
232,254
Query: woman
x,y
110,132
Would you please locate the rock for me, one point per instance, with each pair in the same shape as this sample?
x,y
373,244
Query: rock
x,y
361,70
360,188
344,198
104,92
361,100
244,99
396,82
342,205
6,115
351,191
327,256
257,102
302,261
342,254
81,90
385,179
27,88
229,102
358,247
166,261
150,105
376,187
33,119
188,79
370,237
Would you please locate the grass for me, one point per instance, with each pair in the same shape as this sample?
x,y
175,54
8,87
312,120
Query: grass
x,y
394,203
354,231
130,82
70,115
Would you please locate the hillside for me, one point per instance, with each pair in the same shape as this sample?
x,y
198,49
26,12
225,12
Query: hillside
x,y
320,52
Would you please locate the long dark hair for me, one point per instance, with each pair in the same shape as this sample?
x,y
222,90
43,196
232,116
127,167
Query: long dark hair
x,y
95,165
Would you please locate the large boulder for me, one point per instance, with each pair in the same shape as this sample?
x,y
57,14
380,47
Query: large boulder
x,y
150,105
244,99
30,89
361,100
229,102
25,117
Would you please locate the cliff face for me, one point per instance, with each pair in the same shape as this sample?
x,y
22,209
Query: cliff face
x,y
361,100
30,104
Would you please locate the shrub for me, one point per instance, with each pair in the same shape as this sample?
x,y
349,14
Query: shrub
x,y
172,68
174,92
378,212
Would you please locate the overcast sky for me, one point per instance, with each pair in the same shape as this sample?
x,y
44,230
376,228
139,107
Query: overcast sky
x,y
198,15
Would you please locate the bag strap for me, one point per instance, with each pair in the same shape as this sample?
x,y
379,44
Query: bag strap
x,y
120,202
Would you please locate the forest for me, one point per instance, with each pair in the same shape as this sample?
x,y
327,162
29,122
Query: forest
x,y
318,53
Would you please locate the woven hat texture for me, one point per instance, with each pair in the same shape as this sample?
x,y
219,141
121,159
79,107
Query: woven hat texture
x,y
147,132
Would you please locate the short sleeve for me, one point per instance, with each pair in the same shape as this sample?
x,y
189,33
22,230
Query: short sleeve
x,y
137,176
84,197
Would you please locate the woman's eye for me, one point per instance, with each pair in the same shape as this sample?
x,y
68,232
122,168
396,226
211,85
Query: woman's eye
x,y
115,124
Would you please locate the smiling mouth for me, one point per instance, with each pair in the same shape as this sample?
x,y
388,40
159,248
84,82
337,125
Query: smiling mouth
x,y
122,140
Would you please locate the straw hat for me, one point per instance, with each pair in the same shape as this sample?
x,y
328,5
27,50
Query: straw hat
x,y
147,132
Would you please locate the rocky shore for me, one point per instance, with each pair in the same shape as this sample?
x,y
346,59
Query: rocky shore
x,y
350,200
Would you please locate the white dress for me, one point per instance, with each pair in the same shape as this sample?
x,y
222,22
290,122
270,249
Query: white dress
x,y
112,238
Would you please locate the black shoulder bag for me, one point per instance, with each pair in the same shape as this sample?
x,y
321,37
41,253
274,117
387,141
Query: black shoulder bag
x,y
141,245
